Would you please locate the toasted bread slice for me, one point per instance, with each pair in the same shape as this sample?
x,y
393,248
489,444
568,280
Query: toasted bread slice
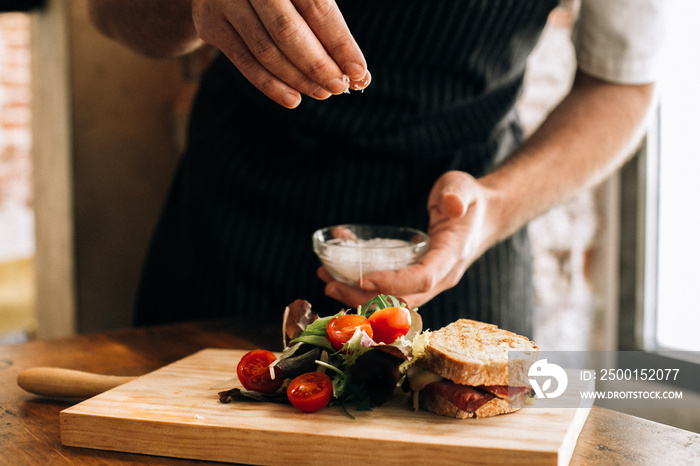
x,y
476,353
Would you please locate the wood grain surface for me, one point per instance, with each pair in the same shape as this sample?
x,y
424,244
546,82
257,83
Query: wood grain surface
x,y
174,411
30,428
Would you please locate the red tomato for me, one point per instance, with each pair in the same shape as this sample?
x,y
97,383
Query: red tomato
x,y
340,329
254,372
390,323
310,392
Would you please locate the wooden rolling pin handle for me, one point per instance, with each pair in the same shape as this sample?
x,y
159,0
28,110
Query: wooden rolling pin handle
x,y
67,383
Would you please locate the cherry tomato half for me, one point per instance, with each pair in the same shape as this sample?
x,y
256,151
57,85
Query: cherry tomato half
x,y
310,392
390,323
340,329
254,372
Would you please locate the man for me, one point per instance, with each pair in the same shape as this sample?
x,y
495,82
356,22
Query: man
x,y
437,124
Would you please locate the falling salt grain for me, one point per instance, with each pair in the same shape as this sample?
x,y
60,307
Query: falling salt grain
x,y
346,80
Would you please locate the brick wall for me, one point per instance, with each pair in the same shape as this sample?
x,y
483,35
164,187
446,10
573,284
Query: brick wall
x,y
16,217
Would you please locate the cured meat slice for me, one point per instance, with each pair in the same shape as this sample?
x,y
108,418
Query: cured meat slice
x,y
464,397
503,391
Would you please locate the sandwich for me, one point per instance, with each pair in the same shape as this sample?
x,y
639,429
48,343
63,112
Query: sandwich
x,y
464,371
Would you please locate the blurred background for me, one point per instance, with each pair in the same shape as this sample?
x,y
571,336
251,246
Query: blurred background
x,y
17,316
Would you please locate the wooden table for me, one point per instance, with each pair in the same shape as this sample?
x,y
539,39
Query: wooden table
x,y
30,430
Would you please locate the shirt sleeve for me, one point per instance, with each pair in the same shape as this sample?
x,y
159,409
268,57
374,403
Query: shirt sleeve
x,y
620,40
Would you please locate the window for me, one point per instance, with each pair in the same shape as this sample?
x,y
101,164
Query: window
x,y
676,319
660,219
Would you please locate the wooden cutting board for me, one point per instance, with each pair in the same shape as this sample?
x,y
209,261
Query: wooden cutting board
x,y
174,411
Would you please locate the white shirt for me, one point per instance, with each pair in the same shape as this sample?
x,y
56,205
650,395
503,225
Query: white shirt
x,y
620,40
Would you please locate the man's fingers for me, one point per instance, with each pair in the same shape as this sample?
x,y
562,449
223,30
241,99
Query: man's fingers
x,y
452,194
452,205
240,55
263,48
417,284
283,48
298,43
216,28
430,274
354,297
327,22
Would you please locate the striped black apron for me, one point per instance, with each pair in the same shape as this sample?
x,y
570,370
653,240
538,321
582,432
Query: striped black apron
x,y
256,180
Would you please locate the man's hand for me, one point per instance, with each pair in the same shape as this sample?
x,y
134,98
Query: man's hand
x,y
590,134
285,48
458,225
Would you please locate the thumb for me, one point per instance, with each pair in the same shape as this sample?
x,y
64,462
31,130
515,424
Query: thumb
x,y
452,205
451,194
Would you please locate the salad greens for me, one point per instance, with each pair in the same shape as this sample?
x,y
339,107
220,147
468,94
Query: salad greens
x,y
348,385
381,301
363,372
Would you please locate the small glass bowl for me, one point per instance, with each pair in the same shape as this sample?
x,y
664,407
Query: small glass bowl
x,y
350,251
